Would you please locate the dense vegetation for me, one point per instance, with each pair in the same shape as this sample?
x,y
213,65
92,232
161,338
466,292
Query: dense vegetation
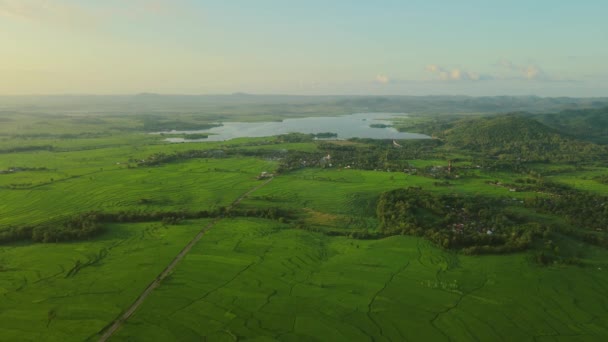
x,y
366,239
475,224
513,137
81,227
363,154
584,124
587,213
91,224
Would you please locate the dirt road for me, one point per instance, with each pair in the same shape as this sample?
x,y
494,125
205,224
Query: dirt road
x,y
111,329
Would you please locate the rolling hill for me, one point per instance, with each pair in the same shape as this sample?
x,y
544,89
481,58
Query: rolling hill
x,y
584,124
517,137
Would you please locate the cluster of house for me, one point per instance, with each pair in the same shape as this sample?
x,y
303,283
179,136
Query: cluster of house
x,y
325,161
265,175
11,170
497,183
459,229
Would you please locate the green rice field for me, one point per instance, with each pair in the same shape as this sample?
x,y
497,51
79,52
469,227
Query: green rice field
x,y
254,278
282,279
45,296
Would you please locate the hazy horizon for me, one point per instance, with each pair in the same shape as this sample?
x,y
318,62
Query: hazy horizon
x,y
269,47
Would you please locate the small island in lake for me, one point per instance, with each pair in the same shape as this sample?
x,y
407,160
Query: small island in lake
x,y
379,125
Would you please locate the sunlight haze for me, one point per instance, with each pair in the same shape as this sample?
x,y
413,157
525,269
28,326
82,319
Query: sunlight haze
x,y
546,48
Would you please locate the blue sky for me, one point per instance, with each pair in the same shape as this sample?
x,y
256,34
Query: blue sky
x,y
547,48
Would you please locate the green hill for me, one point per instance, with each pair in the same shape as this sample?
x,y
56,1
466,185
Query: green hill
x,y
584,124
514,137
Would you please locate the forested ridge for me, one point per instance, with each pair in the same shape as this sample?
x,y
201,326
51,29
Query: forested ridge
x,y
585,124
514,137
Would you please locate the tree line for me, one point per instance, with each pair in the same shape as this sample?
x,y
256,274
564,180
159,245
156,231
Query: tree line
x,y
87,225
585,211
478,225
475,225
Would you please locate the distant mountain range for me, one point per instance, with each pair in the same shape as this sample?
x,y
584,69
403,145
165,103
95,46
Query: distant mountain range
x,y
441,105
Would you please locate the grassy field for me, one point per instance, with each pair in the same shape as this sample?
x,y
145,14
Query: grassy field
x,y
46,296
265,279
256,278
195,185
583,180
353,192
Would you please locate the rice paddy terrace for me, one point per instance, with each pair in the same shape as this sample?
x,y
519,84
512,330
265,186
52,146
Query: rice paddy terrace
x,y
280,263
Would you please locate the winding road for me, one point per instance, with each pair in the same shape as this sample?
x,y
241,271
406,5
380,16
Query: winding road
x,y
117,323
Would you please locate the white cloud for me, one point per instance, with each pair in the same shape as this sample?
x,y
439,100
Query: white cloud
x,y
513,72
528,72
455,74
433,68
382,79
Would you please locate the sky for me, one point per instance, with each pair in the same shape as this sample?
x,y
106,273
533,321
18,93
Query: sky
x,y
308,47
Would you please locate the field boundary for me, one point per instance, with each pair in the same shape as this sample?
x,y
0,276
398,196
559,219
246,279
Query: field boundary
x,y
117,323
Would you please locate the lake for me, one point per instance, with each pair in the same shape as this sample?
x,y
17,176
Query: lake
x,y
346,126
